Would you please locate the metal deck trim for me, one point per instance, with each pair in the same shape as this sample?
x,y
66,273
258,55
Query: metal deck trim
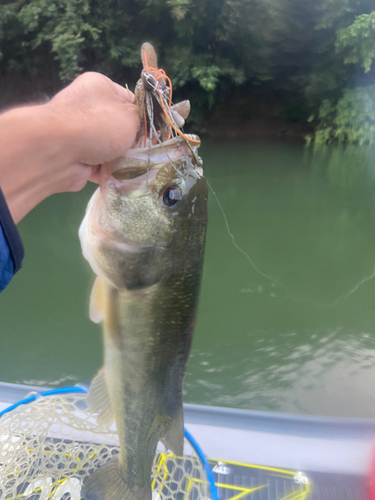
x,y
259,421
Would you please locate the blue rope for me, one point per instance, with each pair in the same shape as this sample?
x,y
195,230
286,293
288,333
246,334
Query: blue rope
x,y
62,390
188,436
201,455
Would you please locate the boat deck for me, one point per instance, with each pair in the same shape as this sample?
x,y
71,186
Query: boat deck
x,y
268,456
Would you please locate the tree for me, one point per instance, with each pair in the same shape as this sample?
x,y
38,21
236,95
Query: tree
x,y
301,55
347,112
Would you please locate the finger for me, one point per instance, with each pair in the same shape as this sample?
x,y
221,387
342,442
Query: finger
x,y
182,108
180,122
95,174
124,93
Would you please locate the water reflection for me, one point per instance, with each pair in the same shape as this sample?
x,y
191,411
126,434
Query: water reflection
x,y
329,376
300,340
349,168
295,342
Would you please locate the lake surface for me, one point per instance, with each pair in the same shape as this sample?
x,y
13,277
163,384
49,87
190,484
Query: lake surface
x,y
287,323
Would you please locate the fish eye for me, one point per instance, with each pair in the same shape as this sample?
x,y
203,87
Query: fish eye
x,y
171,196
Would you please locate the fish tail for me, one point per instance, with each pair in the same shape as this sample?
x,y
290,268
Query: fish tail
x,y
107,483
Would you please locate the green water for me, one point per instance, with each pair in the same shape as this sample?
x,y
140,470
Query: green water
x,y
299,336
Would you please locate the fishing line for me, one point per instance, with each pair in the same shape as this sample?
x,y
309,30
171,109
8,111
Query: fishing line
x,y
150,112
167,114
159,96
238,247
166,153
270,278
354,289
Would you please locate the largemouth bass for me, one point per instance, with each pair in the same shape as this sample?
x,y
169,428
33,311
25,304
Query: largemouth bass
x,y
143,235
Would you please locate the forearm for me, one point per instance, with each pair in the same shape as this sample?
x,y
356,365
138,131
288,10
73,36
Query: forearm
x,y
60,145
31,139
57,147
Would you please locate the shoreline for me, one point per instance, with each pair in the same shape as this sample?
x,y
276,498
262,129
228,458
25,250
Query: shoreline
x,y
261,130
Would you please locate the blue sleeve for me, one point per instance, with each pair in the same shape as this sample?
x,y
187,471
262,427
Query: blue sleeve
x,y
6,262
11,248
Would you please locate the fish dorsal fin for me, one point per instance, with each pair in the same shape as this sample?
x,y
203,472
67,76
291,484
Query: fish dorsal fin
x,y
174,438
99,401
98,301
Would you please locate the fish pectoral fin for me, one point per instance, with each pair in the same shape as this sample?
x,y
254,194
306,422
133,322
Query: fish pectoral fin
x,y
98,399
107,483
97,301
174,438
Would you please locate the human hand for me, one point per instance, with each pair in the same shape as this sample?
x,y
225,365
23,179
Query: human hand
x,y
103,120
60,145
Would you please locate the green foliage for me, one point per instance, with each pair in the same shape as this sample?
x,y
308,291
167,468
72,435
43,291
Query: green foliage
x,y
216,51
350,120
358,41
64,25
347,47
335,13
179,8
71,36
329,74
207,76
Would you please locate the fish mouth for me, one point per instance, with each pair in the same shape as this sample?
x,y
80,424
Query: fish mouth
x,y
136,171
175,141
151,157
131,181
